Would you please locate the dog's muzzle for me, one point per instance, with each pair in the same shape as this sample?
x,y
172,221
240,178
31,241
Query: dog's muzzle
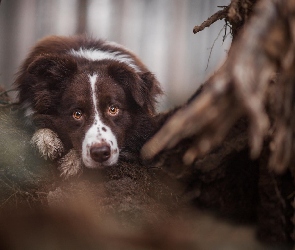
x,y
100,152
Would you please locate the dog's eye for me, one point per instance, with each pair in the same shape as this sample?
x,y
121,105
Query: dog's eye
x,y
113,110
77,114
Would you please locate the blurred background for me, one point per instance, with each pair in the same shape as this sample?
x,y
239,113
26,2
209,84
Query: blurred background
x,y
160,32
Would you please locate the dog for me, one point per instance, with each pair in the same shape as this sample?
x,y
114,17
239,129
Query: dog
x,y
92,102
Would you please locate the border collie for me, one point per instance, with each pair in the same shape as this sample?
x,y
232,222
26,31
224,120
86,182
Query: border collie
x,y
92,102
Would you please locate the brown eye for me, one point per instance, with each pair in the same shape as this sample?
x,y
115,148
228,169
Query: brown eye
x,y
77,114
113,110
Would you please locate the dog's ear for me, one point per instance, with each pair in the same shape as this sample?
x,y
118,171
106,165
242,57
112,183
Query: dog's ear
x,y
51,67
143,87
151,89
49,72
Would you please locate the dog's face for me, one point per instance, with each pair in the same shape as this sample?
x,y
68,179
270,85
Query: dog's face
x,y
94,117
95,108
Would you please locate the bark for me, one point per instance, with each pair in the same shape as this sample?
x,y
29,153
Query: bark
x,y
241,87
255,84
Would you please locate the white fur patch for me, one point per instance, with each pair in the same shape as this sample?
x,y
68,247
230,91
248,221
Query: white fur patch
x,y
28,112
47,143
98,133
98,55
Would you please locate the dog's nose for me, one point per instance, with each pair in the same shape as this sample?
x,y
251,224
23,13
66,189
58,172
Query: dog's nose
x,y
100,153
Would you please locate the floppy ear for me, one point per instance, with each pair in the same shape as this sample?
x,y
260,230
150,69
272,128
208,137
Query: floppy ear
x,y
49,73
143,87
51,67
152,90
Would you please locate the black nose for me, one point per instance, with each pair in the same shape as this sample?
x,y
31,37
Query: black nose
x,y
100,153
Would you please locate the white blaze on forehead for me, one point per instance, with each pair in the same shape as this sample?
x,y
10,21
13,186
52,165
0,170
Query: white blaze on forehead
x,y
92,84
98,133
98,55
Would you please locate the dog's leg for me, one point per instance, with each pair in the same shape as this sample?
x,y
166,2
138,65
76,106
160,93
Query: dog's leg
x,y
47,143
50,146
70,165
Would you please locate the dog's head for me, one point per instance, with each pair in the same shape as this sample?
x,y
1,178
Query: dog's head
x,y
97,102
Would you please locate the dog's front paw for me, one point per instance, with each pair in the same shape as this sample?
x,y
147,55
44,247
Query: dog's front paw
x,y
70,165
47,143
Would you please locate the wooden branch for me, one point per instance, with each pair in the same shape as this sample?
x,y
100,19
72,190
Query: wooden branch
x,y
238,88
236,13
215,17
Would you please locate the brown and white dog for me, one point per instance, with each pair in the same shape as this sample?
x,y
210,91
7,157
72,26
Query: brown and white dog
x,y
92,102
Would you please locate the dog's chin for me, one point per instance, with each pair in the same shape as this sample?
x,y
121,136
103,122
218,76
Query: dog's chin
x,y
97,165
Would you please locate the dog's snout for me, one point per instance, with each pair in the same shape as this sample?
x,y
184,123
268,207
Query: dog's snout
x,y
100,153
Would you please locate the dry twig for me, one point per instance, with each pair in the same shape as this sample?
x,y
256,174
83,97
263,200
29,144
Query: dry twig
x,y
215,17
